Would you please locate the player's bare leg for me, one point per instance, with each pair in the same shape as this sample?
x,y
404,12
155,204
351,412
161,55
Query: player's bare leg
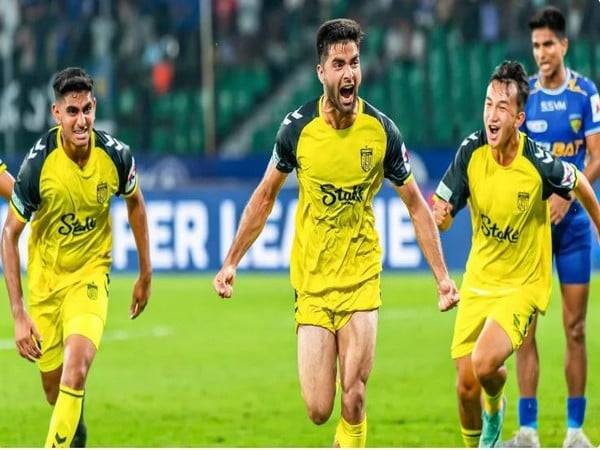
x,y
78,357
51,383
491,350
528,363
575,299
317,352
528,375
356,348
356,351
468,391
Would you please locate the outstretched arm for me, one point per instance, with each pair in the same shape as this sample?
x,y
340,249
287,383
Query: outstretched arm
x,y
136,211
587,197
26,333
253,220
429,241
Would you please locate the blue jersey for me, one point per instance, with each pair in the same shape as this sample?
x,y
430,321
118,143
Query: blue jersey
x,y
560,119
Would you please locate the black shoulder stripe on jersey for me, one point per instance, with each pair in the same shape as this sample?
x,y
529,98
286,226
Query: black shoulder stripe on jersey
x,y
119,153
467,147
288,135
295,121
26,193
550,169
389,127
396,166
454,187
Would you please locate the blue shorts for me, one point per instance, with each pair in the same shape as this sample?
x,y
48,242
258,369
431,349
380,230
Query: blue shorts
x,y
571,246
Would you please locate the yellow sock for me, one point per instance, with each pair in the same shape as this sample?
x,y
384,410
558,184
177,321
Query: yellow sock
x,y
492,404
470,437
351,436
65,417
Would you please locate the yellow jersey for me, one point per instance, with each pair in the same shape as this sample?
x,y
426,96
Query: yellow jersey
x,y
69,207
511,244
336,245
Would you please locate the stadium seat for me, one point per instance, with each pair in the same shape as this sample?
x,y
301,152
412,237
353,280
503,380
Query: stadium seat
x,y
580,56
161,139
438,77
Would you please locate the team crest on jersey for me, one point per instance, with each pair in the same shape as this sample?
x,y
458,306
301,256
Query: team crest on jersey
x,y
92,291
366,158
575,121
522,201
102,192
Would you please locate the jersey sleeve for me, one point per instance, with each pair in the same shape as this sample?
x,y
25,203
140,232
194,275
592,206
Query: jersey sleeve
x,y
25,199
128,178
396,166
558,176
284,150
454,187
591,111
123,159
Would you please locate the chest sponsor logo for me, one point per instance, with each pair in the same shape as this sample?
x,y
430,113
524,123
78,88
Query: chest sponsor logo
x,y
537,126
333,194
553,105
70,224
102,192
491,229
366,158
575,122
522,201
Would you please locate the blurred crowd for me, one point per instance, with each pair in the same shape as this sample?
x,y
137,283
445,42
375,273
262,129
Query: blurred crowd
x,y
155,45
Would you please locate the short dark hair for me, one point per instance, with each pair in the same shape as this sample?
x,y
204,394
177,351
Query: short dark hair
x,y
550,17
71,79
513,72
337,30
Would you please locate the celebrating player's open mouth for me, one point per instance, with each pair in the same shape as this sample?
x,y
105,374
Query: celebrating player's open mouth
x,y
347,96
493,134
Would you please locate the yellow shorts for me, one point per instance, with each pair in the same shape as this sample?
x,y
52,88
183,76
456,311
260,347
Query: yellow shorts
x,y
79,308
513,311
333,309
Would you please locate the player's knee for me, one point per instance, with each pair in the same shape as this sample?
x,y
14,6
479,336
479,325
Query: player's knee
x,y
483,366
468,389
319,414
576,332
353,399
74,376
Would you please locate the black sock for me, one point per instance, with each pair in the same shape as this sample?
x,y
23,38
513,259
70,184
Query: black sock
x,y
80,437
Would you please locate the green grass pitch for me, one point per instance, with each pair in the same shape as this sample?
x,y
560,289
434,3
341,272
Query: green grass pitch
x,y
197,371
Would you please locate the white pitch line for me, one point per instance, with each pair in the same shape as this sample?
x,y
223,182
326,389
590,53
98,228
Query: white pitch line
x,y
119,335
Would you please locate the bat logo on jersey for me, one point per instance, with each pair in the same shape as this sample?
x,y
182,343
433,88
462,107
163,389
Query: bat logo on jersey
x,y
344,196
595,103
491,229
575,121
568,179
72,225
102,192
366,158
522,201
